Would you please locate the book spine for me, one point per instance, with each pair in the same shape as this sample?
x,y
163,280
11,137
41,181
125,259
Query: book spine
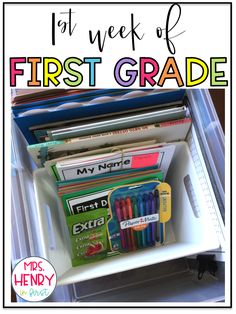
x,y
45,144
113,133
175,122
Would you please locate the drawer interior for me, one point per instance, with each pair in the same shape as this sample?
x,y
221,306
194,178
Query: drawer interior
x,y
189,231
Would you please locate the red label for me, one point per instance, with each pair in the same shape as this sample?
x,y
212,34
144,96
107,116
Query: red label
x,y
145,160
176,122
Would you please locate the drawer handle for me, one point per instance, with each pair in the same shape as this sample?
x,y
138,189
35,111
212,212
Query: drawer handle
x,y
192,196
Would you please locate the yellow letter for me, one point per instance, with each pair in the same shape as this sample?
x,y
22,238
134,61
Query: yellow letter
x,y
51,75
200,79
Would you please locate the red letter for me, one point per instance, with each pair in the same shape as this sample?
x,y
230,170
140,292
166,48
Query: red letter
x,y
49,279
14,71
39,266
148,76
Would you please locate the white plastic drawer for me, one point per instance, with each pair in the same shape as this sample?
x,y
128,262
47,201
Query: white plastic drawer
x,y
190,230
211,140
199,207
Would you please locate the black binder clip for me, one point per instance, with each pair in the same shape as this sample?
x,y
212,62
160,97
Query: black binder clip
x,y
206,263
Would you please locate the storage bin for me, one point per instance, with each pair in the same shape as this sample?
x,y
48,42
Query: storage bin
x,y
39,228
189,231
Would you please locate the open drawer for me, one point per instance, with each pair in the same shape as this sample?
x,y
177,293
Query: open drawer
x,y
196,226
189,231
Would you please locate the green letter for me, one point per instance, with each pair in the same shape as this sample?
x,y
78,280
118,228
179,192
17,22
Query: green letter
x,y
75,73
215,73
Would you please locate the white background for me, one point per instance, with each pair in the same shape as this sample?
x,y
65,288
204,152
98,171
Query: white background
x,y
206,34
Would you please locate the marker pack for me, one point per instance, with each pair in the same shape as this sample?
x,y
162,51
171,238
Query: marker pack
x,y
138,215
87,211
111,215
